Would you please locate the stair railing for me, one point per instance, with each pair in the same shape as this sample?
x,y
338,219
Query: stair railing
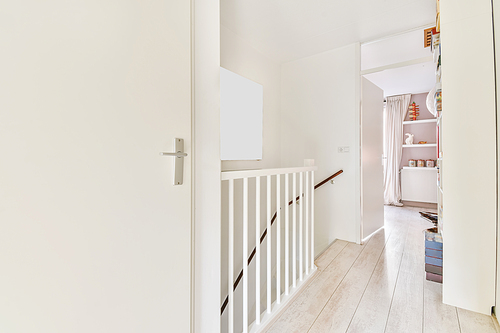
x,y
305,178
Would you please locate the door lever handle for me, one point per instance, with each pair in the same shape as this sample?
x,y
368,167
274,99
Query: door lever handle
x,y
174,154
179,161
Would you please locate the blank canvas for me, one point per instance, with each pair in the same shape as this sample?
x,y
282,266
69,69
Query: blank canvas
x,y
241,105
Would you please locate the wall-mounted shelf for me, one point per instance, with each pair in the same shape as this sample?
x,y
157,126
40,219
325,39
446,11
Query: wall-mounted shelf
x,y
422,121
419,168
420,145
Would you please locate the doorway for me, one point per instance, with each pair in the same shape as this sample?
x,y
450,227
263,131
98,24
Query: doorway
x,y
396,65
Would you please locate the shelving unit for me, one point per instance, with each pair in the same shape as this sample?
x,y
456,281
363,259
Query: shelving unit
x,y
418,184
425,145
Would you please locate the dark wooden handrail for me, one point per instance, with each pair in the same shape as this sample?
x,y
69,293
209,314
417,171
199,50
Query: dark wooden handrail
x,y
264,234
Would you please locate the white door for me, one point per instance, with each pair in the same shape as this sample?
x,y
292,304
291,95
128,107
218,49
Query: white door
x,y
94,237
372,172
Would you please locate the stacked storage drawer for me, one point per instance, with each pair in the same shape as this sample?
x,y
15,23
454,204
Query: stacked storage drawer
x,y
433,255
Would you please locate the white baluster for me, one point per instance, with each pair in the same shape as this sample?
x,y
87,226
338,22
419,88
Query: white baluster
x,y
294,231
301,218
287,236
230,275
307,222
269,243
257,250
312,219
278,239
245,255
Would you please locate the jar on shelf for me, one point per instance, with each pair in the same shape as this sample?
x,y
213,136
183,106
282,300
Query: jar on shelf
x,y
420,163
412,163
429,163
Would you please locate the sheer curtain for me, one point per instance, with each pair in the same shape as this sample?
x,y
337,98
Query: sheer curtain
x,y
396,109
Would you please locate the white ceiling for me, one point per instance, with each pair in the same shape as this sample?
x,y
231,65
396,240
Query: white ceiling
x,y
395,49
400,49
286,30
412,79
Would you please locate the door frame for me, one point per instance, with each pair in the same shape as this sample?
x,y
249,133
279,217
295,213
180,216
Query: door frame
x,y
206,166
359,154
359,185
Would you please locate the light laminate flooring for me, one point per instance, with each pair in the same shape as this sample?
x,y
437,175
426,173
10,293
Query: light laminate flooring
x,y
378,287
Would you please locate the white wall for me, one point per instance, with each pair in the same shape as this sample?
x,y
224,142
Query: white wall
x,y
469,130
320,112
237,56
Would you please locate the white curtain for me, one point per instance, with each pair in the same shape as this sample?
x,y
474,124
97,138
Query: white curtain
x,y
396,109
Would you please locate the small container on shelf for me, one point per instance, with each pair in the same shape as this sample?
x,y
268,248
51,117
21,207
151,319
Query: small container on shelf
x,y
421,163
429,163
412,163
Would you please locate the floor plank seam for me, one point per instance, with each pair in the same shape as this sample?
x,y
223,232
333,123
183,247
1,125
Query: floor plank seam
x,y
364,291
333,293
423,306
320,272
336,256
374,268
340,283
458,318
397,278
423,303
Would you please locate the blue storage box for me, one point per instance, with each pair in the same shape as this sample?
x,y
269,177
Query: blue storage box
x,y
434,253
434,261
433,245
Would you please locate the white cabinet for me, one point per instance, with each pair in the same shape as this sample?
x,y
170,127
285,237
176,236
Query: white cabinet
x,y
419,184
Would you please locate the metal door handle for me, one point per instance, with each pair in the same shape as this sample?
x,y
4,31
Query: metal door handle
x,y
174,154
179,161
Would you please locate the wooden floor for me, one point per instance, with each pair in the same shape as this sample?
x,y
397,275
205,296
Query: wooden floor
x,y
378,287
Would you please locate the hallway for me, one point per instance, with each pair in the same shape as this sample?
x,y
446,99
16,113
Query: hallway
x,y
378,287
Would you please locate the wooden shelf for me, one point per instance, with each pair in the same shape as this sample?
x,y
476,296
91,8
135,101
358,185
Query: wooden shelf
x,y
416,145
422,121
